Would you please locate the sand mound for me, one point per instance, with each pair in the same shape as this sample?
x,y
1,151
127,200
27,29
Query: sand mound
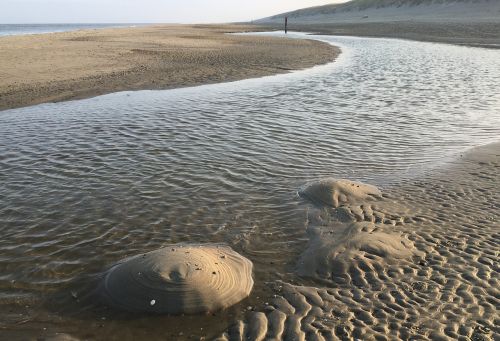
x,y
352,236
180,279
334,193
336,250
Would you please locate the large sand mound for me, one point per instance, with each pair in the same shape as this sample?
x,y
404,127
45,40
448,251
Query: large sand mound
x,y
334,193
181,279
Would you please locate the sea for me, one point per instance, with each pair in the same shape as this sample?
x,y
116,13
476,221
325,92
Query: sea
x,y
18,29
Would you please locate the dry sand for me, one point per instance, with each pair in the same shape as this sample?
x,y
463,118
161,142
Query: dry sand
x,y
426,271
72,65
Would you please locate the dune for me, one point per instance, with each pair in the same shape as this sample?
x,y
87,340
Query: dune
x,y
461,22
395,10
180,279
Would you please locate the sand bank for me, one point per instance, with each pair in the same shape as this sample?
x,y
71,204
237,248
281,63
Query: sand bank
x,y
73,65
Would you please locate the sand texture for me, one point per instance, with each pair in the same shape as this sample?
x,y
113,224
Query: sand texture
x,y
180,279
334,250
332,192
432,274
73,65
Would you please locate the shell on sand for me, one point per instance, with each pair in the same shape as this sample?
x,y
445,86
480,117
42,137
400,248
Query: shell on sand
x,y
180,279
334,250
336,192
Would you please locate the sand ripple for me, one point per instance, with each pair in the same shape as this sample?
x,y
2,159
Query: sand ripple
x,y
334,250
448,291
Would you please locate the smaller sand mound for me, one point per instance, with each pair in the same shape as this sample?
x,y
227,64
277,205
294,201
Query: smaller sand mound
x,y
334,193
335,251
180,279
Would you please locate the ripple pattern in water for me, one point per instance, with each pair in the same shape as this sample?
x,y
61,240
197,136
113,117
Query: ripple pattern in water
x,y
85,183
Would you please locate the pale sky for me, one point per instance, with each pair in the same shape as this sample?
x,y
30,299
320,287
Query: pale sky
x,y
144,11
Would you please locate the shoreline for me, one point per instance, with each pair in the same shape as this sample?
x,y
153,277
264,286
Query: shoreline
x,y
81,64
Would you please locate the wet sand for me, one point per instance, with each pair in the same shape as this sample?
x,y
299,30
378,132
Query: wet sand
x,y
74,65
444,286
433,277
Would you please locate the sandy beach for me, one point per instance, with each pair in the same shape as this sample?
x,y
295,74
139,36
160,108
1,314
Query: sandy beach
x,y
80,64
339,203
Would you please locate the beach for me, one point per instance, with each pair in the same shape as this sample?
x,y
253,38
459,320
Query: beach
x,y
86,63
353,200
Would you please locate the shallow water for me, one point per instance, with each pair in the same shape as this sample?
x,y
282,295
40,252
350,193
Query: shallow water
x,y
84,184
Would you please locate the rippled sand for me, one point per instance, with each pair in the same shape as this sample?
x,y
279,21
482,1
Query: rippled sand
x,y
448,291
444,286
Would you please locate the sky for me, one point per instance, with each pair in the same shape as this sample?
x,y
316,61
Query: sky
x,y
145,11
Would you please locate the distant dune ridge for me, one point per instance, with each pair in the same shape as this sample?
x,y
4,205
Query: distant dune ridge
x,y
461,22
473,11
